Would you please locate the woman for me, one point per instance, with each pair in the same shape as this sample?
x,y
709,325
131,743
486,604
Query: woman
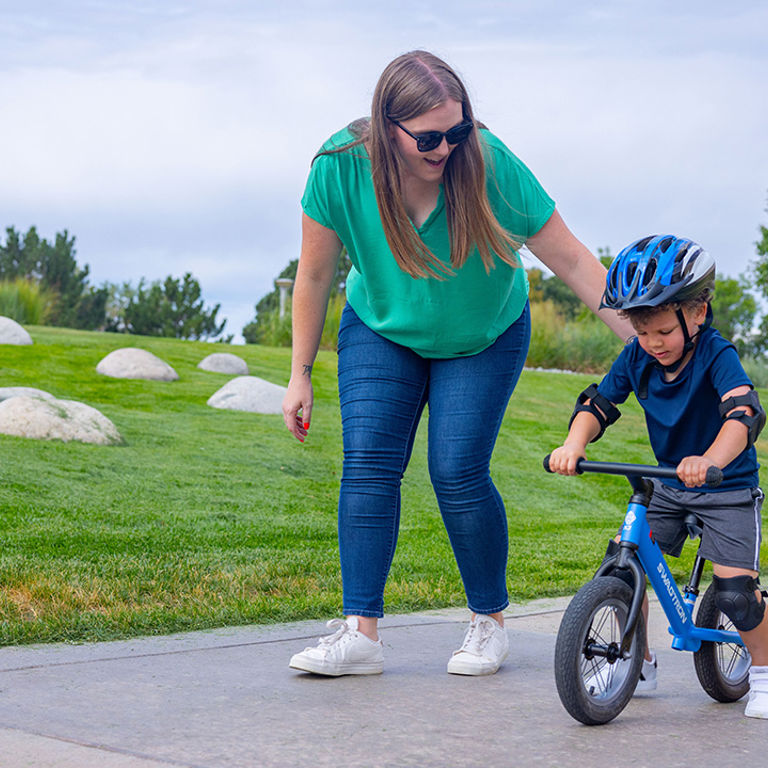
x,y
432,209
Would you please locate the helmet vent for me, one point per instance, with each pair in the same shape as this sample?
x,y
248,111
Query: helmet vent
x,y
665,243
650,273
630,273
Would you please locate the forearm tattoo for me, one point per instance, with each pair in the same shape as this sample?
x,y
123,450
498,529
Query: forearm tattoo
x,y
307,370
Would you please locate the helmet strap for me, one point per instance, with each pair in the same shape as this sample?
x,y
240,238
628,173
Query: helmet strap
x,y
689,342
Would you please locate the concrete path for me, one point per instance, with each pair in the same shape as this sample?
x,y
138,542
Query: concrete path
x,y
226,699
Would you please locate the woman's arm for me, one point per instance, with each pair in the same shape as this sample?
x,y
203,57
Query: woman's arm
x,y
555,245
320,249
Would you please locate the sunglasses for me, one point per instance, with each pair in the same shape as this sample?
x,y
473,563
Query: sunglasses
x,y
425,142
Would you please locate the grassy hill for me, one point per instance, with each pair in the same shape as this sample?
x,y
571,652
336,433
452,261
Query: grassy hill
x,y
208,518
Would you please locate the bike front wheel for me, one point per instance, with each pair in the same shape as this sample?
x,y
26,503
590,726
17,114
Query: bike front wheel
x,y
722,668
595,687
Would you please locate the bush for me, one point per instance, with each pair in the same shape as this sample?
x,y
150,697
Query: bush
x,y
25,301
272,330
330,335
585,344
757,370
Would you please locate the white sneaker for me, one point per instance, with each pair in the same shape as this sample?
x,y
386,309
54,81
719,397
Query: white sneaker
x,y
346,652
757,706
485,646
647,681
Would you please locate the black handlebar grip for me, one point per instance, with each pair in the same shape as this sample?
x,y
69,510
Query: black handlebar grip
x,y
714,476
546,462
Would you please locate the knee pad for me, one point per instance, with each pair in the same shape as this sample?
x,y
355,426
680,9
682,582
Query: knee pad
x,y
735,597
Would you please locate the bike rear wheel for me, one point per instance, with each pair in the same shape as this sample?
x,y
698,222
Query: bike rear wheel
x,y
594,689
722,668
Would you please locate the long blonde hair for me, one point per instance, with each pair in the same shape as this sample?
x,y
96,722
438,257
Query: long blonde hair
x,y
409,86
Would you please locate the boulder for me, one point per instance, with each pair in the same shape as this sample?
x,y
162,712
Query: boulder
x,y
133,363
249,393
46,418
12,333
224,362
6,392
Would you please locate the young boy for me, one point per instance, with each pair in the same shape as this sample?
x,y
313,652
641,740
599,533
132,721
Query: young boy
x,y
700,409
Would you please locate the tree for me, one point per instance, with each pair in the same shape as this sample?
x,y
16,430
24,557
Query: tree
x,y
119,296
760,267
268,306
760,274
54,267
552,288
15,260
535,279
734,310
605,256
555,290
172,308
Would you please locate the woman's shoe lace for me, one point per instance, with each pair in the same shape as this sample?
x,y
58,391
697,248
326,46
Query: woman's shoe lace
x,y
477,637
327,642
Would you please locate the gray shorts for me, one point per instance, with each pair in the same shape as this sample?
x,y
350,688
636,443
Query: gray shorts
x,y
730,521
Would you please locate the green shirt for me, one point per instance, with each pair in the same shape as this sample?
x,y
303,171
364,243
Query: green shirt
x,y
456,316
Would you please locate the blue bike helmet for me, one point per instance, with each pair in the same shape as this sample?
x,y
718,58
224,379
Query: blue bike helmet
x,y
656,270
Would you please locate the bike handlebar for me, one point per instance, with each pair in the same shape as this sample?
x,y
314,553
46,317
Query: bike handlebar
x,y
714,474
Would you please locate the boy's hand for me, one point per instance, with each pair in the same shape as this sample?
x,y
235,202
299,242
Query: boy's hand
x,y
692,470
563,459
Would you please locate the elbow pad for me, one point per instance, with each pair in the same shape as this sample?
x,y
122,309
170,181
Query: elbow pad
x,y
754,423
599,406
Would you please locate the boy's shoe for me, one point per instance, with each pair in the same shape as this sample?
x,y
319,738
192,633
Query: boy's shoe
x,y
757,706
647,681
346,652
602,677
485,646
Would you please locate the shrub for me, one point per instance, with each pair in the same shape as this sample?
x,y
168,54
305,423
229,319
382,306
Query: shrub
x,y
332,320
273,330
585,344
25,301
757,370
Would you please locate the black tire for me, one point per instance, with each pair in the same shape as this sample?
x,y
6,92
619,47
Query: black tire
x,y
722,668
594,689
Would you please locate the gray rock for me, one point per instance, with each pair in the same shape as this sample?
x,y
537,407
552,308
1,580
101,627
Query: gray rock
x,y
12,333
249,393
134,363
46,418
224,362
6,392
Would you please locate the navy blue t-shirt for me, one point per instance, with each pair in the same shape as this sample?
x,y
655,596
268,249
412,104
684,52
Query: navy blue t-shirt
x,y
682,415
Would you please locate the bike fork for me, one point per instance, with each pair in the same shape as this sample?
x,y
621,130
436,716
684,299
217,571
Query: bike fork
x,y
626,559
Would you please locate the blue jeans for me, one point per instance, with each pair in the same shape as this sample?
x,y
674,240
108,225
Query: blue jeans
x,y
383,388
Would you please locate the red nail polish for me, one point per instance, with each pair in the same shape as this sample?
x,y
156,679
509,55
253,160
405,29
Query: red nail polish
x,y
306,425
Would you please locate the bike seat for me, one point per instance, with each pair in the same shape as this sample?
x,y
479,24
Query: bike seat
x,y
693,524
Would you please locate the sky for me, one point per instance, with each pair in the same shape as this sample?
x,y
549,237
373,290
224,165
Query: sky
x,y
176,136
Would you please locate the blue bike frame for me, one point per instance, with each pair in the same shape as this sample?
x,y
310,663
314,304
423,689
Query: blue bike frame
x,y
641,555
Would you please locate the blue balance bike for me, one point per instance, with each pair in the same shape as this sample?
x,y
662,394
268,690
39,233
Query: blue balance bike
x,y
601,640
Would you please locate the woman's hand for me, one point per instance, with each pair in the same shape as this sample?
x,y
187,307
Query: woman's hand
x,y
297,406
320,249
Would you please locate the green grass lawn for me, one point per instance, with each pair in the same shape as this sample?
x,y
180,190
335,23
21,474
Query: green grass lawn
x,y
208,518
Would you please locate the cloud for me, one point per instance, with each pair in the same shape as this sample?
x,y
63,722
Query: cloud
x,y
177,136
